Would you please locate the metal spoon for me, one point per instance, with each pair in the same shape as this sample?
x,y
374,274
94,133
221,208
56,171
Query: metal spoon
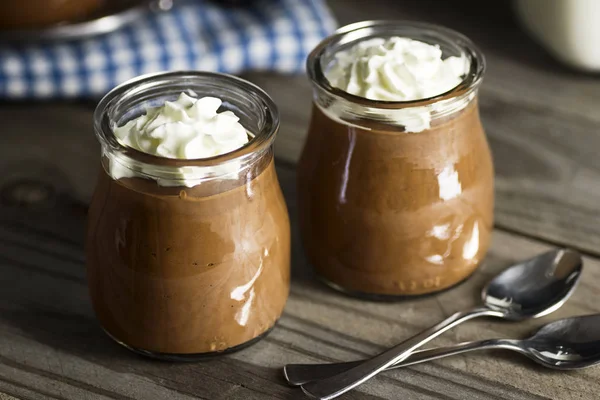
x,y
566,344
527,290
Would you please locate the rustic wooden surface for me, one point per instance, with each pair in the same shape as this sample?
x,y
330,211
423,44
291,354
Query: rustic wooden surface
x,y
543,127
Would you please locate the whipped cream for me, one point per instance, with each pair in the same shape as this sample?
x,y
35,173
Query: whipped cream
x,y
397,69
187,128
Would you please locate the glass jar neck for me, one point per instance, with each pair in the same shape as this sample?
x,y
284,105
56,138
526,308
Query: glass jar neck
x,y
256,110
401,115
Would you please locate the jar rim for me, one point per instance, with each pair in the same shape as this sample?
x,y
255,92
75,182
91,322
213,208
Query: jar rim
x,y
364,29
260,141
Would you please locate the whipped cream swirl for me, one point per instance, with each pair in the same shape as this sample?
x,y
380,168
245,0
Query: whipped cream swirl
x,y
187,128
397,69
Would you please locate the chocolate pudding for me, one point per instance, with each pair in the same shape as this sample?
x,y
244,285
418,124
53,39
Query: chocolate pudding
x,y
395,182
187,257
180,270
390,213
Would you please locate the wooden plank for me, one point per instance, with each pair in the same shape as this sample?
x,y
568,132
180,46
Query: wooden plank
x,y
53,143
6,397
51,345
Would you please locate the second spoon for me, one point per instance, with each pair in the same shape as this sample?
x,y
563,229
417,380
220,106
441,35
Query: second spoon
x,y
566,344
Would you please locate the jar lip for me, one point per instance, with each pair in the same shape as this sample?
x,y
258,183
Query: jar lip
x,y
467,85
258,143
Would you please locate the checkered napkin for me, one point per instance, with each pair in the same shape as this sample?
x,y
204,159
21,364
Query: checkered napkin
x,y
272,35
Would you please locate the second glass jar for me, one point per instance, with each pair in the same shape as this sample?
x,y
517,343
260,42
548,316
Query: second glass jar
x,y
385,212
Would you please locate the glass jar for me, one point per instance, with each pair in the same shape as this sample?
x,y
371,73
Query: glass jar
x,y
188,258
385,212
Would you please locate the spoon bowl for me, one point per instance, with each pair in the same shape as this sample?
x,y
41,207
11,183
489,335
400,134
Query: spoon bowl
x,y
535,287
570,343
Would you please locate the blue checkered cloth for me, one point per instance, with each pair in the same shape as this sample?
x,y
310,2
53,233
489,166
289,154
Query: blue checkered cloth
x,y
274,35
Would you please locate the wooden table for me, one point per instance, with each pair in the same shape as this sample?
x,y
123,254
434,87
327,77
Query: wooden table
x,y
542,122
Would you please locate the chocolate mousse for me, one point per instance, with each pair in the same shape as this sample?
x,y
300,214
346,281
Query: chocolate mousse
x,y
389,213
188,270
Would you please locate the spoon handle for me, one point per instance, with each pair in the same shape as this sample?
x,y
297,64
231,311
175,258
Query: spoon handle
x,y
299,374
336,385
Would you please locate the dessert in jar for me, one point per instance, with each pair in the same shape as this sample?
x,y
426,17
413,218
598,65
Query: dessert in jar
x,y
188,241
395,181
28,14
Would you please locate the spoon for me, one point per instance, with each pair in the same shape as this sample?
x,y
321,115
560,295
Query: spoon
x,y
530,289
566,344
